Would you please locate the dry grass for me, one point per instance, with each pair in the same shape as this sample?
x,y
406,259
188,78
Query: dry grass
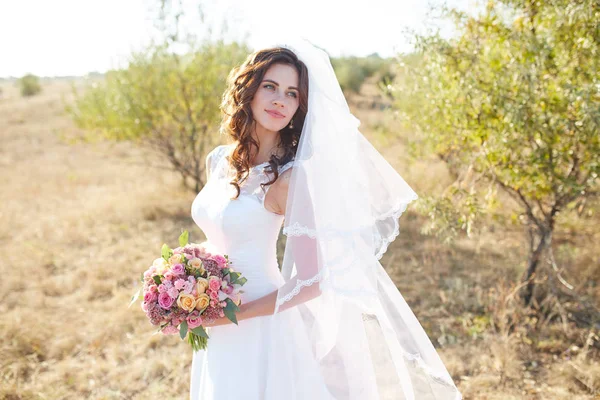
x,y
84,214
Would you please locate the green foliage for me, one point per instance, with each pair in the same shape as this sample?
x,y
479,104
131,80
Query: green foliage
x,y
516,98
450,214
353,71
184,238
29,85
169,102
166,252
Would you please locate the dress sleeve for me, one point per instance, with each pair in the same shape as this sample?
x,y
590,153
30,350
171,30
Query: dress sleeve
x,y
212,158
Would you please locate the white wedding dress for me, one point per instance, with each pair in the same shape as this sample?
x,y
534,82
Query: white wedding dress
x,y
271,357
262,358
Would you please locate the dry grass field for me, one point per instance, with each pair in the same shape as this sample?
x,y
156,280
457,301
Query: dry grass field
x,y
80,222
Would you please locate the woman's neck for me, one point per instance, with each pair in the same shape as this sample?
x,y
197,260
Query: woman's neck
x,y
268,143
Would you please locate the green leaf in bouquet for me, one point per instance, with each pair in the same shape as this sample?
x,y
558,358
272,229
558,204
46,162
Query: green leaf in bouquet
x,y
183,238
200,332
183,328
225,271
230,310
241,281
166,252
234,276
142,277
135,297
157,279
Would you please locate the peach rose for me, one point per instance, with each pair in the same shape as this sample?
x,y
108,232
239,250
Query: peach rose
x,y
202,302
186,301
196,263
201,285
175,259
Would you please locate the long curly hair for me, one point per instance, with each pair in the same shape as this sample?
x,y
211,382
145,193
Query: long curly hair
x,y
242,83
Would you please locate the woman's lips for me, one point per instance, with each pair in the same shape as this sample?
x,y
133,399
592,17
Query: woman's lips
x,y
274,114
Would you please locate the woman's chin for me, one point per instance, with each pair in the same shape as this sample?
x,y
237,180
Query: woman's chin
x,y
273,127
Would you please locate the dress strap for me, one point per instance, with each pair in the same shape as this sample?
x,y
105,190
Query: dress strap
x,y
286,166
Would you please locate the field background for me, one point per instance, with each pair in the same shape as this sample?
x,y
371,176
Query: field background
x,y
87,218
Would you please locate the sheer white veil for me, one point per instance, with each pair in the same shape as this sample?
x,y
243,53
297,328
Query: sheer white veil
x,y
344,201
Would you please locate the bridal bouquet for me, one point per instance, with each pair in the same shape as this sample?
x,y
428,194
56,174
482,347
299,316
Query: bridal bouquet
x,y
189,285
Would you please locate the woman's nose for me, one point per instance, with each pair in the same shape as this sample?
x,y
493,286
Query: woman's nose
x,y
279,99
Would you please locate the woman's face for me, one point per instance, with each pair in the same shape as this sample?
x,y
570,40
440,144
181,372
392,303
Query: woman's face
x,y
276,99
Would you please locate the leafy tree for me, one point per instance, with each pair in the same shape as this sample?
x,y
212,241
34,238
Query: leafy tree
x,y
165,101
511,103
29,85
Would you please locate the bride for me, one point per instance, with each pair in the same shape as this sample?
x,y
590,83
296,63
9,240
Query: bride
x,y
328,323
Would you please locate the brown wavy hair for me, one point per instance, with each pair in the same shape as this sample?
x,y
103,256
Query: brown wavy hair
x,y
242,83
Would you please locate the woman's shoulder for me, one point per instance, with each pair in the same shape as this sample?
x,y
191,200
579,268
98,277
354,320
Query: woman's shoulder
x,y
214,156
218,152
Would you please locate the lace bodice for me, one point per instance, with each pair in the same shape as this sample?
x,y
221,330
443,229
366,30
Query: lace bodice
x,y
241,227
219,168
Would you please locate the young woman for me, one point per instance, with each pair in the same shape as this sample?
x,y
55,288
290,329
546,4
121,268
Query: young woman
x,y
330,323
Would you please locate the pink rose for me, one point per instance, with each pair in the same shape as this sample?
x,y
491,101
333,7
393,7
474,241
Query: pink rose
x,y
153,288
178,269
145,306
148,274
169,275
150,297
162,288
165,301
193,322
214,295
173,292
179,284
214,283
170,330
228,289
219,259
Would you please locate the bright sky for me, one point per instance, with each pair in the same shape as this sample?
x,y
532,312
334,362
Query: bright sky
x,y
74,37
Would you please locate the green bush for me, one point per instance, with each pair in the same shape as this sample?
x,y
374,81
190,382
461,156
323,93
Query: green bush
x,y
30,85
353,71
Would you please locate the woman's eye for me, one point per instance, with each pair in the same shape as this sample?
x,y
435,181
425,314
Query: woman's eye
x,y
268,85
294,95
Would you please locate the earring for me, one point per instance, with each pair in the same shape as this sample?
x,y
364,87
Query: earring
x,y
291,124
